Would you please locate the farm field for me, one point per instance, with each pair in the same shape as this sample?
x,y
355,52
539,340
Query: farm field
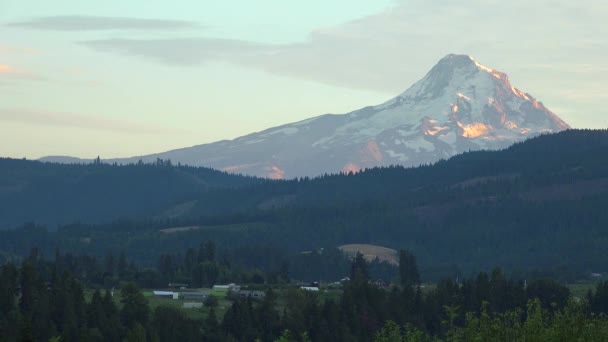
x,y
370,252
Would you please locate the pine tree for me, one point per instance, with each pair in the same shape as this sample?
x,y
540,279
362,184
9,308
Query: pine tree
x,y
212,331
122,265
408,269
358,270
134,306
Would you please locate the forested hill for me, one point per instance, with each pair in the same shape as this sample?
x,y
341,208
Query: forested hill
x,y
539,205
51,193
569,164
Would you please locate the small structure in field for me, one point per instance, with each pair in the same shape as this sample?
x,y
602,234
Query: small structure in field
x,y
166,294
196,305
225,288
194,295
180,286
252,294
309,288
381,283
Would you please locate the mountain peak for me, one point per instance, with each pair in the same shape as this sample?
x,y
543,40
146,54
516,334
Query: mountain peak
x,y
453,62
463,74
460,105
457,60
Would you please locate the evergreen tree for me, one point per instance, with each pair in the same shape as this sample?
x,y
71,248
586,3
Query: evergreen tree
x,y
136,334
122,265
211,327
209,251
408,269
134,307
9,312
358,270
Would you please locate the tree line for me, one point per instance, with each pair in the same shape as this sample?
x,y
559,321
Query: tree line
x,y
38,302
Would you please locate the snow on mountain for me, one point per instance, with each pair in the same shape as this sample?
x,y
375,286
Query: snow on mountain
x,y
459,105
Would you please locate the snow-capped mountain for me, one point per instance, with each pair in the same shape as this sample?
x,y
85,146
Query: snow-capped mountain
x,y
459,105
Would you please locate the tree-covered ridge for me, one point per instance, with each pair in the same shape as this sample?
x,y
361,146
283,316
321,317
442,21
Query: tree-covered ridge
x,y
537,207
563,158
42,300
50,193
53,193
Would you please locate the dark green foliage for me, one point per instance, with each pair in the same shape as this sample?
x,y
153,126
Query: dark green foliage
x,y
136,334
535,208
240,321
482,308
211,327
408,269
9,311
62,193
358,270
598,301
171,324
211,301
134,306
551,294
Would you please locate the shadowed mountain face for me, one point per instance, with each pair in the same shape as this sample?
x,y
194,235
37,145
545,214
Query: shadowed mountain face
x,y
459,105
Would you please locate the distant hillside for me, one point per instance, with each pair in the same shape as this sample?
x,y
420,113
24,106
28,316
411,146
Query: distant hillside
x,y
538,205
568,165
60,193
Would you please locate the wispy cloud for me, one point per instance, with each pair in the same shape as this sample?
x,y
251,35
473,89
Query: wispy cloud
x,y
97,23
183,51
5,69
15,50
389,50
10,73
89,122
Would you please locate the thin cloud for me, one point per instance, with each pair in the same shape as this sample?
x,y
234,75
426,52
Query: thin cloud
x,y
10,73
6,69
62,119
182,51
390,50
14,50
98,23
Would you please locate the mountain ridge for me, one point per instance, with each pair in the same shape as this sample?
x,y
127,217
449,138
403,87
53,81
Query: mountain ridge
x,y
459,105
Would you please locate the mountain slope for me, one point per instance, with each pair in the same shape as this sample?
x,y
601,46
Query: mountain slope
x,y
460,105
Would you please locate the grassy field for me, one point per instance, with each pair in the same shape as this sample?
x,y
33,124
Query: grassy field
x,y
179,229
196,313
232,228
580,290
370,252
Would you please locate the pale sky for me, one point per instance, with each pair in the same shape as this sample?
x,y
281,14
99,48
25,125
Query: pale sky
x,y
125,78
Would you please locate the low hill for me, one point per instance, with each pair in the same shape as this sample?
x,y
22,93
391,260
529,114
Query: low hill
x,y
53,193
